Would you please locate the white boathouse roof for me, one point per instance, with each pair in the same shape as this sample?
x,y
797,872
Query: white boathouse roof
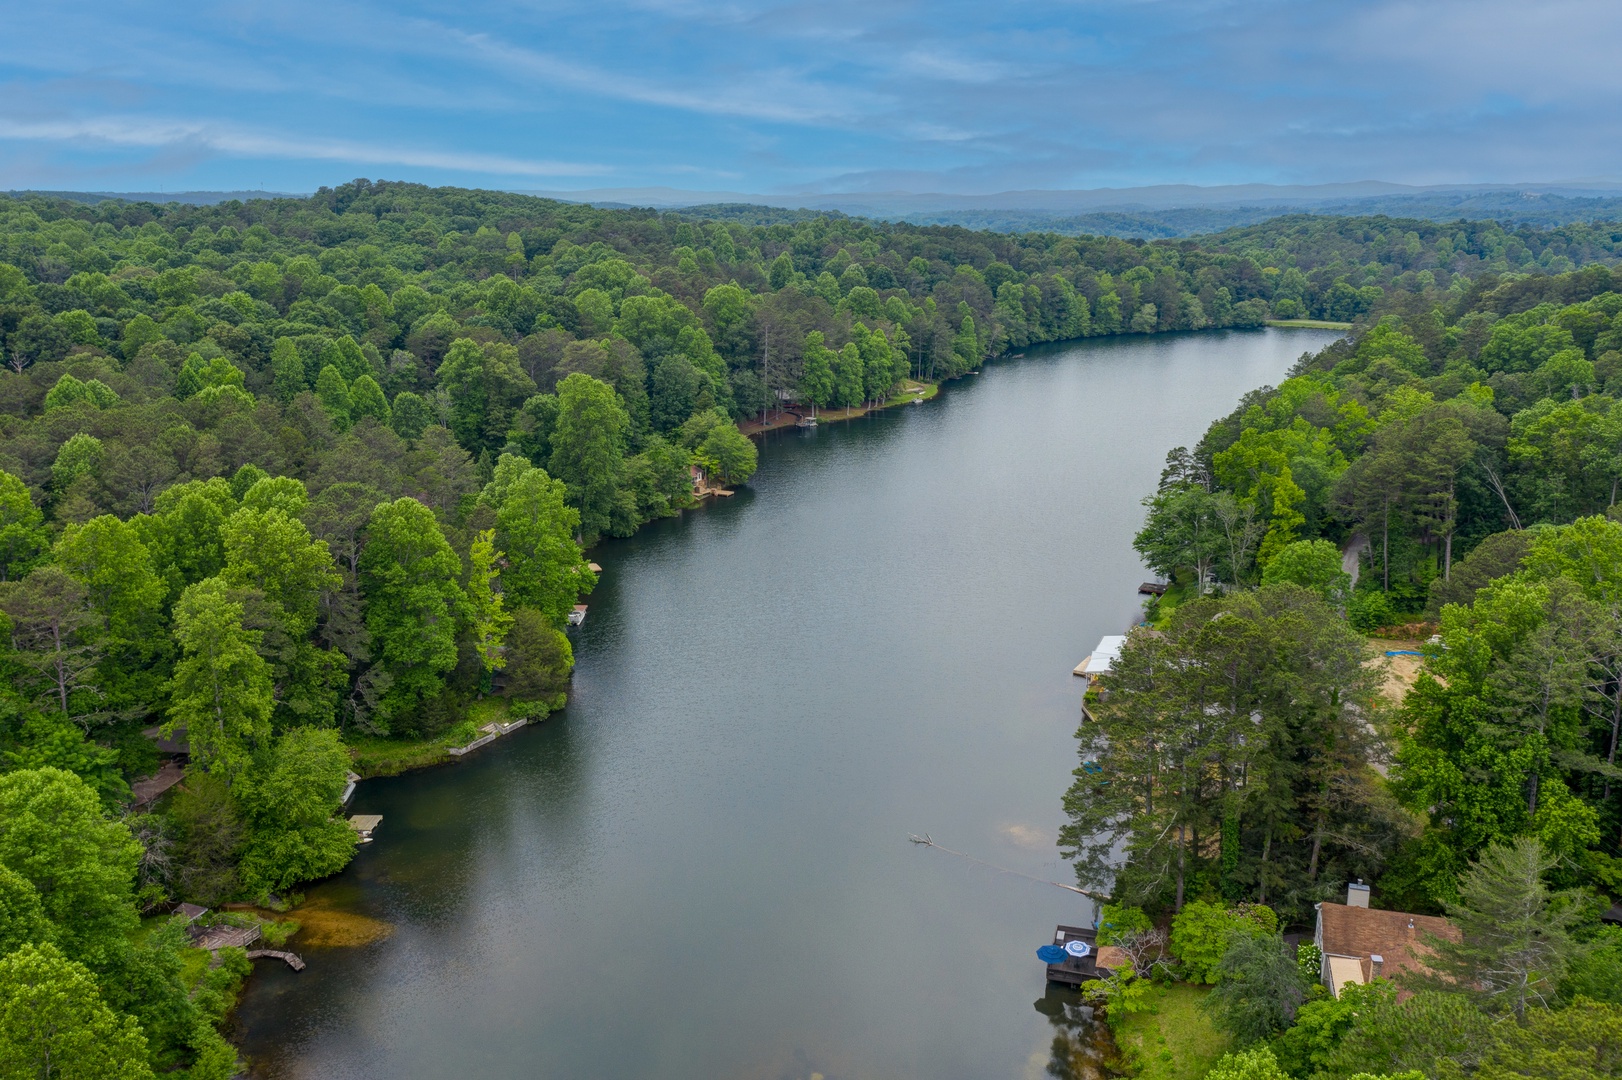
x,y
1102,657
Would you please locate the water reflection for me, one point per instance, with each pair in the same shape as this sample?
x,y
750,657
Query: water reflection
x,y
507,801
1082,1048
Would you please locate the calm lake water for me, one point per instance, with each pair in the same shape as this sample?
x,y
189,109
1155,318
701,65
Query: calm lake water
x,y
700,869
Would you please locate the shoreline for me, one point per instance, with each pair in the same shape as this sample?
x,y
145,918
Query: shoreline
x,y
791,414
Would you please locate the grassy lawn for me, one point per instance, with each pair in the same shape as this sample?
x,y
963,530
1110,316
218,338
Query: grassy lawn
x,y
1173,1041
1177,592
375,755
378,756
912,388
488,710
1311,324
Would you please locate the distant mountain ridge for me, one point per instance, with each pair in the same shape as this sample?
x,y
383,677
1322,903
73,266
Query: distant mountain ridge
x,y
189,198
1159,212
1153,197
1151,213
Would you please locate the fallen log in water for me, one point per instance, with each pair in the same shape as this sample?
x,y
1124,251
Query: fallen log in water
x,y
927,842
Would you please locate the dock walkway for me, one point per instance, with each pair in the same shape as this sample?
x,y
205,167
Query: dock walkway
x,y
294,960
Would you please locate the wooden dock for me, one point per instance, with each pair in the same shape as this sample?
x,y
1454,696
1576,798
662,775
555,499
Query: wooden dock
x,y
294,960
1075,971
224,936
364,824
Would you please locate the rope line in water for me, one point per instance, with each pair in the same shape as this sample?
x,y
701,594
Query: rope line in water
x,y
927,842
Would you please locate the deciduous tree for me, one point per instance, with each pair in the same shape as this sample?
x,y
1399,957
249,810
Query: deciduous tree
x,y
410,576
54,1023
588,451
222,692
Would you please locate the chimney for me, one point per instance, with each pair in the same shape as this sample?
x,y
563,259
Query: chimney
x,y
1376,962
1357,895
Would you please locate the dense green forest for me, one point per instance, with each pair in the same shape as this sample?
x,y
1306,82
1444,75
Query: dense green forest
x,y
1244,757
291,480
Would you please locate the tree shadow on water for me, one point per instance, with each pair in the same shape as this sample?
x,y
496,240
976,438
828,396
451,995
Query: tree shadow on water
x,y
1082,1047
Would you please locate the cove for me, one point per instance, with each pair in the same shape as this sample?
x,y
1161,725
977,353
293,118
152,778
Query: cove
x,y
700,869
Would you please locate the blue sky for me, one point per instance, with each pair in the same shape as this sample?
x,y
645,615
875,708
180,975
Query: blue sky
x,y
782,97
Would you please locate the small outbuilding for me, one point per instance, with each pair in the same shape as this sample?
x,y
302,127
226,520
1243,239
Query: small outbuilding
x,y
190,913
1360,943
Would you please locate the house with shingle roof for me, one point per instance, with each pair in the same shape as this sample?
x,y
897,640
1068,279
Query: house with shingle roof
x,y
1360,943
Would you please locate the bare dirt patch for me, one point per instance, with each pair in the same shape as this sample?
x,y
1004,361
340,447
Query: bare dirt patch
x,y
1401,672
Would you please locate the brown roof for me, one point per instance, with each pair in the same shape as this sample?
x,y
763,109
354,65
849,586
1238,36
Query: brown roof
x,y
1111,957
1395,936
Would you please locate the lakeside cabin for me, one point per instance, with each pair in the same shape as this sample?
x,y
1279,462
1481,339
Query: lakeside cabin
x,y
175,751
1360,943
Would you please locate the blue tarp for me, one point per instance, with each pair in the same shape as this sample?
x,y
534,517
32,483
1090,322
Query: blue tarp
x,y
1051,954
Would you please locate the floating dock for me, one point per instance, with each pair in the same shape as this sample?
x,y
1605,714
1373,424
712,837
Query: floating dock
x,y
1075,970
364,824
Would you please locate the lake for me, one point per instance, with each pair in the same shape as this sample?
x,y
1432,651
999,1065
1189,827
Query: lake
x,y
700,869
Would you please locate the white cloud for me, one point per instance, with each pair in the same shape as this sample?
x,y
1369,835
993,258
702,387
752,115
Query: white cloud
x,y
950,68
775,95
160,133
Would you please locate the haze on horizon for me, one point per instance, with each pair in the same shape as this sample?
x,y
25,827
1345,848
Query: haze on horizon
x,y
755,96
